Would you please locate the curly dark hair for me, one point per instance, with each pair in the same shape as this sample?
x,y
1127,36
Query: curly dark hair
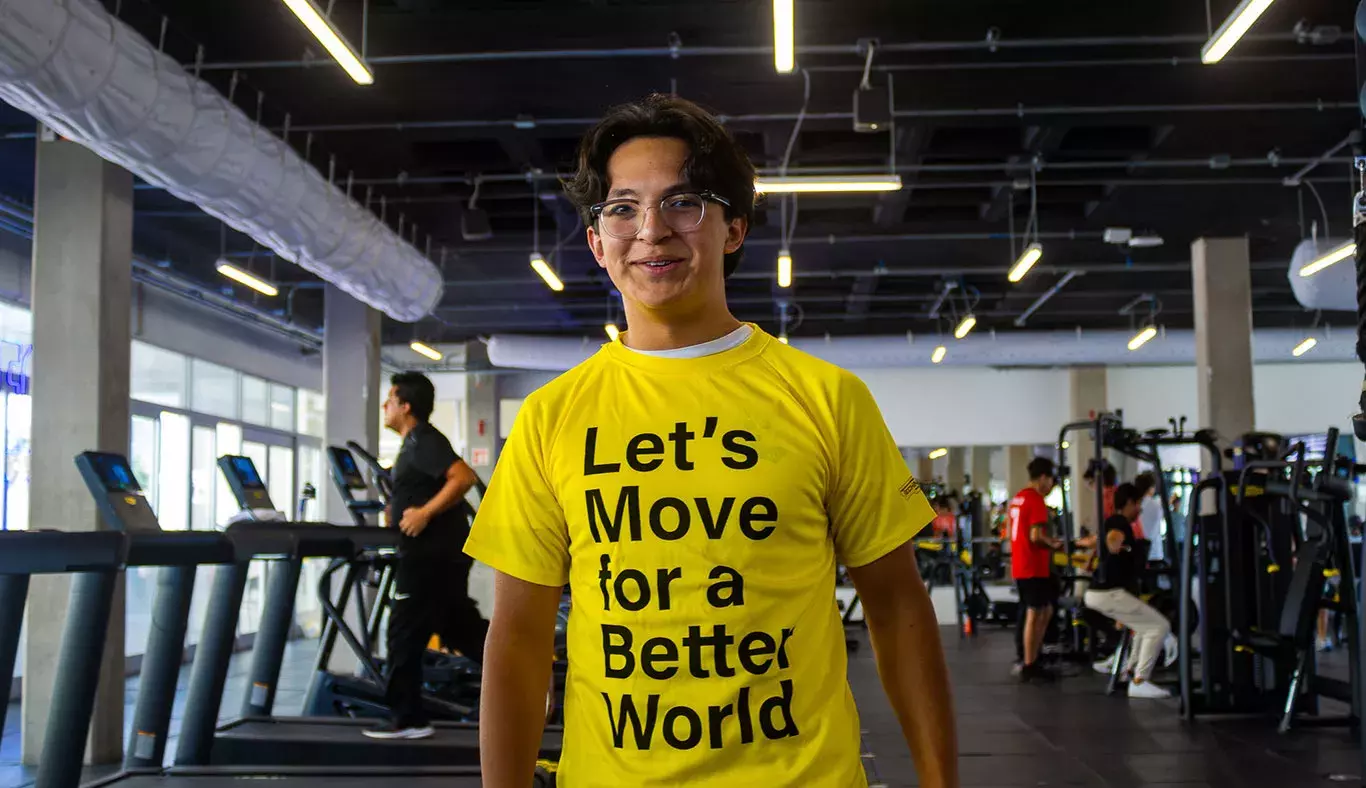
x,y
715,161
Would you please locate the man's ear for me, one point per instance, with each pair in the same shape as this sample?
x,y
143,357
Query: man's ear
x,y
736,230
595,245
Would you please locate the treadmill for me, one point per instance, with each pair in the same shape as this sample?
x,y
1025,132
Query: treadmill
x,y
27,553
124,508
257,737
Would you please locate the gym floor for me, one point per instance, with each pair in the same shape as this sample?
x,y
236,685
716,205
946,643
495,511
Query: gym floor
x,y
1009,734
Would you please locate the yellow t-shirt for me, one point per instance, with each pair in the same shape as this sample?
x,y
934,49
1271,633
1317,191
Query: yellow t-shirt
x,y
697,508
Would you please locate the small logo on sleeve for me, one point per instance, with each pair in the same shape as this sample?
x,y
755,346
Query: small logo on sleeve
x,y
910,488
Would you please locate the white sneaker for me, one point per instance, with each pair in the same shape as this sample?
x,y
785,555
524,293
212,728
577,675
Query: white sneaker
x,y
1104,666
1147,690
1171,649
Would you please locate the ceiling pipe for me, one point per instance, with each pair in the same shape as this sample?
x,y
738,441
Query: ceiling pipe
x,y
20,223
1020,348
1049,293
1016,65
675,52
595,304
1352,138
1018,111
897,273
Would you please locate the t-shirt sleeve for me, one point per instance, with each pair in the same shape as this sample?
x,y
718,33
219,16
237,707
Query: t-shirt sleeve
x,y
874,503
433,454
520,529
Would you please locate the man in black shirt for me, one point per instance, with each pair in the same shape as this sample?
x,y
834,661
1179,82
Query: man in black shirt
x,y
431,594
1112,592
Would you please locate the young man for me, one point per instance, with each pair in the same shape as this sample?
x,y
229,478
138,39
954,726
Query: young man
x,y
431,583
1031,565
696,483
945,525
1111,593
1149,513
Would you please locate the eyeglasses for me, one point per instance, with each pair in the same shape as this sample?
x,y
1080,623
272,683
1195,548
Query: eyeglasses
x,y
682,212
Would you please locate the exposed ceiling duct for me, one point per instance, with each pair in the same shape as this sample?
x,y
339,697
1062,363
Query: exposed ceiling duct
x,y
1015,349
94,80
1334,288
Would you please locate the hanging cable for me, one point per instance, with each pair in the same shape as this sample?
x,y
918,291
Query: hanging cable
x,y
1328,234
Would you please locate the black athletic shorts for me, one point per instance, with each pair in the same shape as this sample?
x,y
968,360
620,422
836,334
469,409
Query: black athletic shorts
x,y
1037,592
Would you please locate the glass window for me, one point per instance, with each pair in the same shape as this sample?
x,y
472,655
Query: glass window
x,y
173,479
281,407
157,376
142,455
228,441
18,453
203,472
312,414
255,401
281,480
311,472
213,389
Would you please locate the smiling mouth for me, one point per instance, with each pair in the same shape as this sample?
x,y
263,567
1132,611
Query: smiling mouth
x,y
658,263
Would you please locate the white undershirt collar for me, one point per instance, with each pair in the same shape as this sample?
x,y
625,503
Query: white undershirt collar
x,y
734,339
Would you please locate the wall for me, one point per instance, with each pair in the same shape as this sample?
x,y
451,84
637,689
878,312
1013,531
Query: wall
x,y
970,406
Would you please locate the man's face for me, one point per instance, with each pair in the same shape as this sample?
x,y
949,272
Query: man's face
x,y
1131,509
688,274
1047,486
394,409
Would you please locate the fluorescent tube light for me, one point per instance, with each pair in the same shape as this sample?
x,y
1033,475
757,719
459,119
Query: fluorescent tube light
x,y
426,350
1234,28
782,338
242,277
799,184
937,453
612,331
1141,338
1336,256
539,264
331,40
964,327
1031,255
1304,347
784,47
939,354
784,268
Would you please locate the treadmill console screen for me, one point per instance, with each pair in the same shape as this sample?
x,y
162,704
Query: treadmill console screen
x,y
345,464
114,473
246,471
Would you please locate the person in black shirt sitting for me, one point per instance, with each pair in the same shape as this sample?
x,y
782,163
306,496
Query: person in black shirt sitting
x,y
1112,592
431,585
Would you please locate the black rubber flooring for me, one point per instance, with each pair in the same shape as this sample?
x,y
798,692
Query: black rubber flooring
x,y
1068,734
1072,734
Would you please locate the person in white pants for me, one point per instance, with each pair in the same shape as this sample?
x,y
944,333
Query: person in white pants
x,y
1111,592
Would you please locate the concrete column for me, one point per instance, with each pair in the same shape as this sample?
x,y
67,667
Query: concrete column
x,y
924,470
1222,279
1017,468
1088,398
957,469
481,411
351,381
981,470
82,291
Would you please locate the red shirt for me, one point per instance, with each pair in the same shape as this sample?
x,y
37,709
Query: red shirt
x,y
1027,560
944,525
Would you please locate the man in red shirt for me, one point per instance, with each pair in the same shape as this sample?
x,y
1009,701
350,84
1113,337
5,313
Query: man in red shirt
x,y
1031,564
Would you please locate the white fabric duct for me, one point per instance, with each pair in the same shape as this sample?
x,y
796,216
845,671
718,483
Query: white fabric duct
x,y
95,81
1334,288
1015,349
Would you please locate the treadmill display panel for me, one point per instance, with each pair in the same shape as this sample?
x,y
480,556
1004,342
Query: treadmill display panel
x,y
246,471
114,473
